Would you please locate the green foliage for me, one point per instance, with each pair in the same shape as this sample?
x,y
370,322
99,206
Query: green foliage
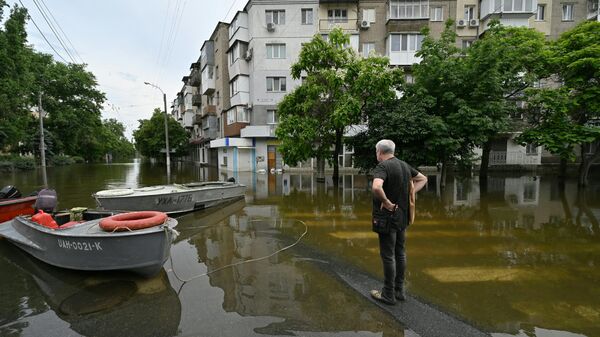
x,y
24,163
78,159
62,160
114,141
340,89
560,117
150,136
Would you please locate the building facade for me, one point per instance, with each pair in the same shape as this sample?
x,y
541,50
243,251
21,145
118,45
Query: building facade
x,y
229,100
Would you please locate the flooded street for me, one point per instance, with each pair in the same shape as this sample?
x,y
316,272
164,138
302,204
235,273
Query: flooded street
x,y
515,256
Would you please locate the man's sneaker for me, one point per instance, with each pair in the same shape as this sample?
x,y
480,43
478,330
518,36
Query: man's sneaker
x,y
377,295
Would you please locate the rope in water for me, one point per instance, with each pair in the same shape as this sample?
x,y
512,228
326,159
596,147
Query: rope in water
x,y
241,262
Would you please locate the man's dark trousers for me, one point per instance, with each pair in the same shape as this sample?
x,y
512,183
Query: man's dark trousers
x,y
393,255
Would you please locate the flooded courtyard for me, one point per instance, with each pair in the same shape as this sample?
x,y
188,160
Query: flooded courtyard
x,y
513,256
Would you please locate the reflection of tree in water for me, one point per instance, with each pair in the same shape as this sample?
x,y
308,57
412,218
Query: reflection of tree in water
x,y
282,286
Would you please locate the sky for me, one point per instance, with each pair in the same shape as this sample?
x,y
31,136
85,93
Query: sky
x,y
126,43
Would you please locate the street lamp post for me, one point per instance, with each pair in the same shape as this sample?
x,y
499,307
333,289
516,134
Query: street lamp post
x,y
166,131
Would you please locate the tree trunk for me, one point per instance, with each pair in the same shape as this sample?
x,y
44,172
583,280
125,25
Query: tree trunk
x,y
562,170
443,175
320,170
336,151
586,163
485,158
564,201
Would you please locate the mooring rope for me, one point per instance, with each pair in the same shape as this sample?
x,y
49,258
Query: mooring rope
x,y
238,263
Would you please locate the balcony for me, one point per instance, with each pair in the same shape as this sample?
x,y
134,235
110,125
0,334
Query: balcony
x,y
188,119
514,158
347,25
195,78
514,13
197,119
208,80
239,67
197,100
240,98
264,131
209,110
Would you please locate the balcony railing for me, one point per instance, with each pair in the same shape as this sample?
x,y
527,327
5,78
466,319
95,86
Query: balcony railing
x,y
197,100
514,158
209,109
347,25
195,78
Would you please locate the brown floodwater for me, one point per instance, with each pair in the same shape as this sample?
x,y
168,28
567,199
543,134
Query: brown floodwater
x,y
515,256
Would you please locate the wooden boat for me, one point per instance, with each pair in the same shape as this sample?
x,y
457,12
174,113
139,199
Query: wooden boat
x,y
85,246
176,198
10,208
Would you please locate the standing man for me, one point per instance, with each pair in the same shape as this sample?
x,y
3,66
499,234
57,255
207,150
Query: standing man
x,y
391,187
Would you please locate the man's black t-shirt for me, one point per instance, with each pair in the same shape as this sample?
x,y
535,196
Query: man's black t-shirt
x,y
395,174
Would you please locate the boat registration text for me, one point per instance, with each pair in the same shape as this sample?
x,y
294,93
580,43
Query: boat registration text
x,y
79,245
184,198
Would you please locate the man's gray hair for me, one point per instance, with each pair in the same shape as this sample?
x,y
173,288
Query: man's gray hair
x,y
385,146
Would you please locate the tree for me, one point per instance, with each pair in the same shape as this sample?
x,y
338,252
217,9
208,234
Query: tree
x,y
114,139
339,90
499,67
150,136
14,77
565,116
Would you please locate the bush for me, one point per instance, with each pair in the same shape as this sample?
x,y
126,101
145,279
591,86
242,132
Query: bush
x,y
6,166
78,159
24,163
61,160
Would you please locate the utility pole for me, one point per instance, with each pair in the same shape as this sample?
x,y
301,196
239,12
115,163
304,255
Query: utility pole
x,y
166,131
42,143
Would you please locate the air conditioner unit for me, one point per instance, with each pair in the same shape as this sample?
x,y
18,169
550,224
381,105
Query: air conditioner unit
x,y
461,23
473,23
248,55
365,24
271,27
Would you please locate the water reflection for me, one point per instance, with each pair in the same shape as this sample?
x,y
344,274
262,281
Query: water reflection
x,y
303,297
90,304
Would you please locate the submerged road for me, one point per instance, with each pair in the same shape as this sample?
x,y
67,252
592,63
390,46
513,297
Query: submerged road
x,y
414,314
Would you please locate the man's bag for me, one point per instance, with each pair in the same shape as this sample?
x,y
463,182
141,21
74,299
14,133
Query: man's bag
x,y
384,220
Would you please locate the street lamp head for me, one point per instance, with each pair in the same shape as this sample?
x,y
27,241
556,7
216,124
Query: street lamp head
x,y
147,83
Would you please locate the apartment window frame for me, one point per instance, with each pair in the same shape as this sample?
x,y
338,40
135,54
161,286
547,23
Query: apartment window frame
x,y
367,48
407,9
230,116
338,15
467,44
278,82
405,42
242,115
437,13
567,11
275,16
305,16
517,6
531,149
469,12
276,51
540,13
369,14
272,117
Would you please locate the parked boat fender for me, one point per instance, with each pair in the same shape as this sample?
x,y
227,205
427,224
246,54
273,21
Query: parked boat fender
x,y
45,219
133,221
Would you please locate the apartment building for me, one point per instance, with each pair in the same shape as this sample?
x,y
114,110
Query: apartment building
x,y
244,68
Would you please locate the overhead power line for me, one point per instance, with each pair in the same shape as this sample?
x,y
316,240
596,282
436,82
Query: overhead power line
x,y
44,36
63,32
49,23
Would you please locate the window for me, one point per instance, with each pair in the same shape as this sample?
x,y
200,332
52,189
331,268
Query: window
x,y
337,15
406,42
276,84
367,48
567,10
437,14
369,15
217,71
516,6
469,13
272,117
224,157
408,78
210,100
237,51
467,43
233,88
276,50
307,16
541,11
242,115
275,16
233,27
210,72
531,149
230,116
407,9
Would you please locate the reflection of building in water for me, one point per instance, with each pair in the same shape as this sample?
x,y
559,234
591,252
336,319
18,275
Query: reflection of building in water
x,y
520,202
279,286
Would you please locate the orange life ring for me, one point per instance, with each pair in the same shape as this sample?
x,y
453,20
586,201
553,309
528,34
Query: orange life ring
x,y
132,221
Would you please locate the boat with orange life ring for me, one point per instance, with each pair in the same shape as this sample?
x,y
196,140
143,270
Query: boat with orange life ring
x,y
133,221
